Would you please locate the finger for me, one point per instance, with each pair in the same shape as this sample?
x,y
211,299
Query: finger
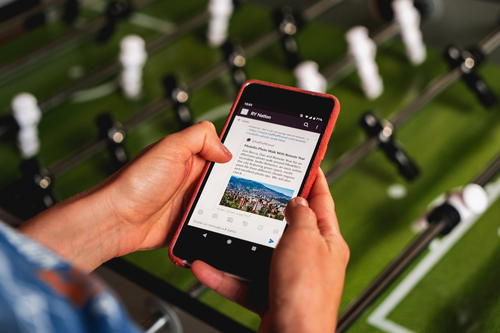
x,y
299,215
199,139
225,285
321,202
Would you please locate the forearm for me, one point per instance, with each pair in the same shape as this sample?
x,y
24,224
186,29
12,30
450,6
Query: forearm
x,y
83,230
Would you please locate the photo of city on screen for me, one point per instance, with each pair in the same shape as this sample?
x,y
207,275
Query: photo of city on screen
x,y
256,197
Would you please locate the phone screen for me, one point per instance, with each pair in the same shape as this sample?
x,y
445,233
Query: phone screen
x,y
246,197
240,207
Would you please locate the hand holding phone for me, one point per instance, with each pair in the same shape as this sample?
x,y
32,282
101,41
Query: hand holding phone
x,y
278,137
307,270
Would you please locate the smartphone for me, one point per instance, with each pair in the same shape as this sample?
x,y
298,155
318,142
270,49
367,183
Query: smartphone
x,y
278,136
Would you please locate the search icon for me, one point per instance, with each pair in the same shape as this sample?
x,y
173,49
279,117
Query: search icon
x,y
306,124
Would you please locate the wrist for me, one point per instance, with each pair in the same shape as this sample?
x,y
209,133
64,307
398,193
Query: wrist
x,y
83,230
289,319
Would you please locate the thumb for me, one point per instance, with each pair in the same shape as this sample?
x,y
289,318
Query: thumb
x,y
199,139
299,215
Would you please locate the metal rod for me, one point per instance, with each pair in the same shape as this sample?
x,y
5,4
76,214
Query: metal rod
x,y
75,159
490,42
147,113
319,8
489,173
436,87
399,264
350,159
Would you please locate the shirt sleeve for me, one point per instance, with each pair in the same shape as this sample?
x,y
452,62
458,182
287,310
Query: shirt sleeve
x,y
40,292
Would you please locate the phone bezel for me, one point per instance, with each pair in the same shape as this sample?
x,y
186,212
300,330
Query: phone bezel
x,y
190,244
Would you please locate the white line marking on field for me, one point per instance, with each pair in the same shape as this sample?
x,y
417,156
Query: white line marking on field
x,y
94,92
153,23
439,248
215,113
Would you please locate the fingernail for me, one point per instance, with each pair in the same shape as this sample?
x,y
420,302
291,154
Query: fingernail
x,y
299,201
224,148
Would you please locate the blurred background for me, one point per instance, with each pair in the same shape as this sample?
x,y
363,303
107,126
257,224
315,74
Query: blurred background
x,y
437,129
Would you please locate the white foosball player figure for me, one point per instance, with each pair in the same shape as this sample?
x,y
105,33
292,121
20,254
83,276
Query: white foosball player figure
x,y
363,50
408,18
468,201
27,115
220,13
133,56
309,78
471,200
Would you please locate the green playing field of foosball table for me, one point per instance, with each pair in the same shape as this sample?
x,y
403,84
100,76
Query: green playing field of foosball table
x,y
452,139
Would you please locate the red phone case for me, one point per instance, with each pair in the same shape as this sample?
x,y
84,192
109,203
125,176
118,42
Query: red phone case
x,y
314,166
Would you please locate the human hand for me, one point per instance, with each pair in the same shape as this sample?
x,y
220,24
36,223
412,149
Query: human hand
x,y
307,269
134,209
149,193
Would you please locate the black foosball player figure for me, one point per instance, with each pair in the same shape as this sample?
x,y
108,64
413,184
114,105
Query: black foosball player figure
x,y
288,23
8,128
236,60
114,135
31,194
115,11
71,11
469,61
384,133
179,96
